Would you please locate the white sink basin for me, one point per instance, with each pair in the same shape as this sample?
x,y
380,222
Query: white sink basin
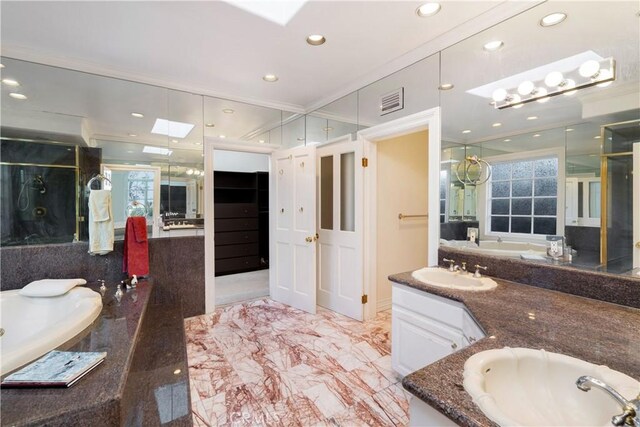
x,y
443,278
525,387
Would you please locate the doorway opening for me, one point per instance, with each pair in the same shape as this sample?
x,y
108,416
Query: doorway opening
x,y
241,226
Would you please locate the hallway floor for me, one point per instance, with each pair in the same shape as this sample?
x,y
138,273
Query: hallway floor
x,y
265,363
242,287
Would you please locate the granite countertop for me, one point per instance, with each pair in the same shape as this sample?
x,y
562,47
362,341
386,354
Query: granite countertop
x,y
595,331
98,394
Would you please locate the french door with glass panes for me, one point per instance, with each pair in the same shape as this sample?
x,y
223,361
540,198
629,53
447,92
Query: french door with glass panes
x,y
340,224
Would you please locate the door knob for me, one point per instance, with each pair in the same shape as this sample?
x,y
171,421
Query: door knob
x,y
311,239
638,245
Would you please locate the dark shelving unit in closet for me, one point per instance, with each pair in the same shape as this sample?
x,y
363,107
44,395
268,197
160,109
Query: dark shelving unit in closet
x,y
241,214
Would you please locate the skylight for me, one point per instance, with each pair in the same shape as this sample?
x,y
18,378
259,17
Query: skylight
x,y
172,129
278,12
157,150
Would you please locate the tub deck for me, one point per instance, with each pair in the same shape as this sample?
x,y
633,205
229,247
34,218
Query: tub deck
x,y
118,392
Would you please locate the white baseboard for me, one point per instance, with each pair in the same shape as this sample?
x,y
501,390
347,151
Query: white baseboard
x,y
384,304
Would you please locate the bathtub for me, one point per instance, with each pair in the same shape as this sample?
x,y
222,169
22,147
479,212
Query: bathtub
x,y
506,248
34,326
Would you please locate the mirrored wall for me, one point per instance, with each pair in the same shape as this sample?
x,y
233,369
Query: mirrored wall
x,y
69,127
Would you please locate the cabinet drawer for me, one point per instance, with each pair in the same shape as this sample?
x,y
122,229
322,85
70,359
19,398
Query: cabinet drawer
x,y
235,210
440,309
236,224
234,251
236,237
237,264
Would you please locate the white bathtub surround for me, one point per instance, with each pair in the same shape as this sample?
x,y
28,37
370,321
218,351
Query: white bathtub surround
x,y
512,249
101,231
34,326
50,287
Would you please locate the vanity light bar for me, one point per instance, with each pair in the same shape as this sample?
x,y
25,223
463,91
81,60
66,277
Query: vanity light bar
x,y
596,73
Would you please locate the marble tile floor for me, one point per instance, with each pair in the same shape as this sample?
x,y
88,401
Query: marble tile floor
x,y
265,363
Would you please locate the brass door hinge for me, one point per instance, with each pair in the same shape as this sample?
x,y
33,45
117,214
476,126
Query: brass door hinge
x,y
365,298
365,162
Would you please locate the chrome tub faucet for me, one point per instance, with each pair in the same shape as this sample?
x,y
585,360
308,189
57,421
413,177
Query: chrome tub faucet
x,y
630,415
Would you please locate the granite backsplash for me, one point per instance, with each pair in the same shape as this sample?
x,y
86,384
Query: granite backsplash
x,y
617,289
175,263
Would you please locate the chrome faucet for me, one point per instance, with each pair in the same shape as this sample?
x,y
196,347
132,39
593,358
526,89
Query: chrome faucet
x,y
477,274
451,262
630,415
463,269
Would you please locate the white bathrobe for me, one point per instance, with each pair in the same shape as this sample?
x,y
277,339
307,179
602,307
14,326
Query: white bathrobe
x,y
100,222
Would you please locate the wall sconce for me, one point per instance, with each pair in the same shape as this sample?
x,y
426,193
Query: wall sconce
x,y
590,73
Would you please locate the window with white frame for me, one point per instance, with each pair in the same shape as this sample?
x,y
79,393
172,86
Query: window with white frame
x,y
523,197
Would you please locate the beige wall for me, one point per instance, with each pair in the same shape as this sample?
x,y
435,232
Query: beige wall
x,y
401,188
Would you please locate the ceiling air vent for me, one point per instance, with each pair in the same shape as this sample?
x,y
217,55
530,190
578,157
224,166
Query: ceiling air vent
x,y
392,101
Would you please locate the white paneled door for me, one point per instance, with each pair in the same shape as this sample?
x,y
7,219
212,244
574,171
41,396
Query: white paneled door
x,y
340,218
293,216
636,205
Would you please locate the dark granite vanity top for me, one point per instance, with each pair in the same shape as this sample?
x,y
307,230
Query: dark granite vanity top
x,y
95,397
595,331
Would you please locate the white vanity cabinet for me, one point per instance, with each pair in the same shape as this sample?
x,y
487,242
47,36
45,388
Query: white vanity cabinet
x,y
426,327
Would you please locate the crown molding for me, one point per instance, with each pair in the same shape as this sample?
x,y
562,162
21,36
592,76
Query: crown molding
x,y
33,55
501,12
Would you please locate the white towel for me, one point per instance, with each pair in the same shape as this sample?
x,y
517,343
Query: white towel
x,y
50,287
100,222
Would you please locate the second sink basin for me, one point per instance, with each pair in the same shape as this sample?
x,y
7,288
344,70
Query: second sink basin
x,y
526,387
443,278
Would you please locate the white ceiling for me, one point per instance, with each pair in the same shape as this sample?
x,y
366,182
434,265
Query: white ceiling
x,y
212,47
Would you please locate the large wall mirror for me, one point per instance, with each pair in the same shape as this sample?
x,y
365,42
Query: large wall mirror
x,y
519,181
147,140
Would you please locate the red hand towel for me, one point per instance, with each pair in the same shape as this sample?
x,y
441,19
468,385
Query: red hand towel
x,y
136,249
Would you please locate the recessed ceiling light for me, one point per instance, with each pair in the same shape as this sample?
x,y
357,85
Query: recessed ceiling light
x,y
596,137
446,86
175,141
316,39
532,118
157,150
493,45
553,19
228,111
176,372
507,140
569,130
132,134
222,136
466,131
173,129
209,125
428,9
18,95
536,135
495,125
137,115
261,141
10,82
270,78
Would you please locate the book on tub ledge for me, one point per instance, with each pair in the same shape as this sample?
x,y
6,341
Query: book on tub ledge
x,y
55,369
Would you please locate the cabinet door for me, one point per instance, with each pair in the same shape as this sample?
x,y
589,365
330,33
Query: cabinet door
x,y
418,341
